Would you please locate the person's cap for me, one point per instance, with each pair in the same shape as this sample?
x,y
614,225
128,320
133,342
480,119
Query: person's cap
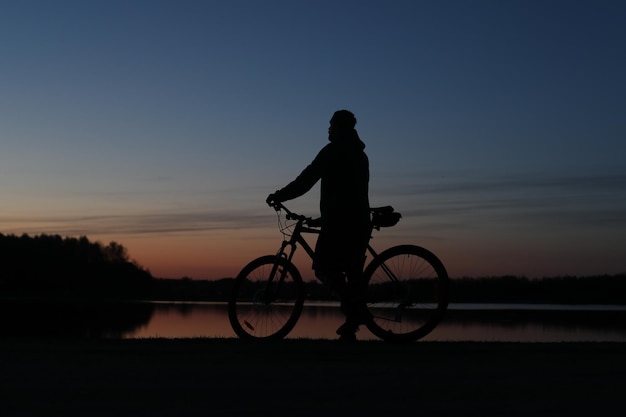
x,y
343,120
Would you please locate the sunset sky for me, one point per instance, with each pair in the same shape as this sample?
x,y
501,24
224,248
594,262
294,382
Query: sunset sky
x,y
497,128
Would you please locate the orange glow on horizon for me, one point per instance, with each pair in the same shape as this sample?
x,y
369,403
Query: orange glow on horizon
x,y
215,255
197,256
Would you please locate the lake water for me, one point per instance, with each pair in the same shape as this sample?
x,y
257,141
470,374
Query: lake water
x,y
462,322
470,322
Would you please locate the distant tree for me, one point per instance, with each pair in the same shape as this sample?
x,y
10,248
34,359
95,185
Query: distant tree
x,y
115,252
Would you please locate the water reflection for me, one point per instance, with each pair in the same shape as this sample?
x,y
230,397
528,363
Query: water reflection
x,y
528,325
75,319
184,320
460,324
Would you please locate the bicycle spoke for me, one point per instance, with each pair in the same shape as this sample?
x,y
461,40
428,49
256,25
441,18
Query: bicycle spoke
x,y
266,306
403,293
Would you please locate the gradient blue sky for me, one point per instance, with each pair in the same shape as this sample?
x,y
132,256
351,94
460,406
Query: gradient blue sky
x,y
496,127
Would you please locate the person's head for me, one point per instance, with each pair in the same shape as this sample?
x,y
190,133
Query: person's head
x,y
343,121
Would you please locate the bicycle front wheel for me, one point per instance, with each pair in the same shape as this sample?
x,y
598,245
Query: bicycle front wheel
x,y
267,299
407,293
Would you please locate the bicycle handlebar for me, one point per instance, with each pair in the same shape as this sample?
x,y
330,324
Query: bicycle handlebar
x,y
381,216
309,221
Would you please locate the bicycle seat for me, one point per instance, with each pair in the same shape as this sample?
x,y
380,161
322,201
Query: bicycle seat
x,y
314,222
381,209
384,217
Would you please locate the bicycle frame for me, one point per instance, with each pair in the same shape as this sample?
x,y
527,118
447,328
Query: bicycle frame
x,y
297,238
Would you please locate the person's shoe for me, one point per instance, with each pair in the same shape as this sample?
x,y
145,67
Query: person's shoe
x,y
348,328
347,338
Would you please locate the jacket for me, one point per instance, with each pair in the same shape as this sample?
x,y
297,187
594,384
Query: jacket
x,y
343,168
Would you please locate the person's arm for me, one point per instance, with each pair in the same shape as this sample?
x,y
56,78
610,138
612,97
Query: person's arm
x,y
305,181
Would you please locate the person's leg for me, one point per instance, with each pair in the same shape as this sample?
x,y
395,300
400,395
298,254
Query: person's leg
x,y
355,299
356,296
340,255
354,303
334,280
326,262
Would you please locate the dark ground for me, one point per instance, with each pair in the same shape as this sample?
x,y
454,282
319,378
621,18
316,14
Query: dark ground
x,y
230,377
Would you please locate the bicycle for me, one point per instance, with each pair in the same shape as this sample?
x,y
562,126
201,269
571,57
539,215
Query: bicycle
x,y
407,285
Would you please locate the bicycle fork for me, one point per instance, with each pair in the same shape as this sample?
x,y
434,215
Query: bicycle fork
x,y
277,273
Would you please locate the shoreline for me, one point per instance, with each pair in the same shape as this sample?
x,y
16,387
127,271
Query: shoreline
x,y
306,377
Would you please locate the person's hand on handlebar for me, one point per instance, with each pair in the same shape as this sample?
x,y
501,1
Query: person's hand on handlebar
x,y
272,200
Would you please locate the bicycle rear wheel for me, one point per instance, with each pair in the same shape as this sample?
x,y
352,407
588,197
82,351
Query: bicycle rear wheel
x,y
407,293
267,299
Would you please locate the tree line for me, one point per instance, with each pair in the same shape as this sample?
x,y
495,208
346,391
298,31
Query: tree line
x,y
55,266
598,289
51,265
601,289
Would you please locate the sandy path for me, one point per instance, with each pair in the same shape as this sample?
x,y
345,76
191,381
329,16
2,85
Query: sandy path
x,y
219,377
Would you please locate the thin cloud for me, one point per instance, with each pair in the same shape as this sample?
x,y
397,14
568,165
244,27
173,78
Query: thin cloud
x,y
574,201
138,223
518,183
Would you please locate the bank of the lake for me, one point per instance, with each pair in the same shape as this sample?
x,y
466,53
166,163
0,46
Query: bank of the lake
x,y
219,377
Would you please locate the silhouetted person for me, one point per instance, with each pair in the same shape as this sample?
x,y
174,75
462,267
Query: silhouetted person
x,y
343,168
